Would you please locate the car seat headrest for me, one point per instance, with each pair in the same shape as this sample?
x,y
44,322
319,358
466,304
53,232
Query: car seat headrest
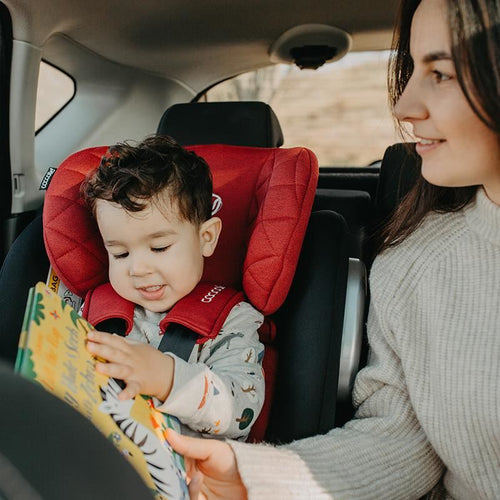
x,y
266,194
234,123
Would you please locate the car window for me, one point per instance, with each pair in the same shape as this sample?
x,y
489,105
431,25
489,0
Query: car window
x,y
55,89
340,111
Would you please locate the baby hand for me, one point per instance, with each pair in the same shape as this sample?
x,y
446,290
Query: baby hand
x,y
144,369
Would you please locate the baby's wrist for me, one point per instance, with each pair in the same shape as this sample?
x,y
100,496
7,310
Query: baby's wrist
x,y
165,377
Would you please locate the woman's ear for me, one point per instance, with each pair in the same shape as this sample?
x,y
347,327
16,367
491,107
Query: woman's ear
x,y
209,235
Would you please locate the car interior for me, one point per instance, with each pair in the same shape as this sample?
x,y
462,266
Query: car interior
x,y
139,68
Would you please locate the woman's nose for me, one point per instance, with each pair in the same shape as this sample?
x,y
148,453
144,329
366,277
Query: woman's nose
x,y
410,105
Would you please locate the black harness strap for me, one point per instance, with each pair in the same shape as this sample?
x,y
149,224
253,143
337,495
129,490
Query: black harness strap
x,y
177,339
112,325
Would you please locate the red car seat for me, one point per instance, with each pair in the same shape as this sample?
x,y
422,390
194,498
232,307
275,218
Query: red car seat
x,y
267,195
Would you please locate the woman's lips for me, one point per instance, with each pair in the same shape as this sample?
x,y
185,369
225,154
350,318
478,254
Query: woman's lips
x,y
426,145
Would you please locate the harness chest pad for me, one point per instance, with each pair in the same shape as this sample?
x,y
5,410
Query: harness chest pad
x,y
202,311
267,196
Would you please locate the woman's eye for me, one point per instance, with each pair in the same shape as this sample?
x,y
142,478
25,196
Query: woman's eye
x,y
440,77
160,249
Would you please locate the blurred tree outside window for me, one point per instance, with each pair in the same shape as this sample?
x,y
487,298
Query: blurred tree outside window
x,y
340,111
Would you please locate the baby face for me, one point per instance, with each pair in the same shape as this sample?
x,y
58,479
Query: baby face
x,y
155,256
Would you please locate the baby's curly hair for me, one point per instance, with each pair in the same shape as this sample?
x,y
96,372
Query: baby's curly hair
x,y
132,176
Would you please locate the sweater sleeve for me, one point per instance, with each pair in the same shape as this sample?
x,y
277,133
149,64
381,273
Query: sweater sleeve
x,y
222,392
382,453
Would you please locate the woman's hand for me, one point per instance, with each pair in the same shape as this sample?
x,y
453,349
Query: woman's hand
x,y
144,369
212,467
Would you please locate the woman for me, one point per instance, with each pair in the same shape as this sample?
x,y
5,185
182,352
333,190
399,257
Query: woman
x,y
428,402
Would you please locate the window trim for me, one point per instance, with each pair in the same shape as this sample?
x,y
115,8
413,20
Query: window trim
x,y
66,103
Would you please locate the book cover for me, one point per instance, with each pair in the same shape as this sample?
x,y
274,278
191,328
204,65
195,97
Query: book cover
x,y
52,353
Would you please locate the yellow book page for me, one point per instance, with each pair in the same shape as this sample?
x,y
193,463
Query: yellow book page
x,y
55,356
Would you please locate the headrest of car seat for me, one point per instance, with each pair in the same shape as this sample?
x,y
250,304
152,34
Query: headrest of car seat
x,y
266,193
235,123
399,172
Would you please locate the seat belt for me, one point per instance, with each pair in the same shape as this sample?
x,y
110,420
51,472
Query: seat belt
x,y
177,339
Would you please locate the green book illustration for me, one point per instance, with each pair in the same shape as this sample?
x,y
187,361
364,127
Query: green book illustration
x,y
52,353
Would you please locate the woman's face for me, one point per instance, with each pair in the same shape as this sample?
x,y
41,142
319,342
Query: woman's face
x,y
456,147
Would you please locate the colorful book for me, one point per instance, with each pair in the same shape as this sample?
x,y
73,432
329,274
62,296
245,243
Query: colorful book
x,y
52,353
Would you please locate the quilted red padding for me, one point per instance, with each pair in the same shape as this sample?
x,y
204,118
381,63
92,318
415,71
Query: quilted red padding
x,y
267,196
71,236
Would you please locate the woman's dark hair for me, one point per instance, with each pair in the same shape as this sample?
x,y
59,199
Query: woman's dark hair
x,y
129,174
475,48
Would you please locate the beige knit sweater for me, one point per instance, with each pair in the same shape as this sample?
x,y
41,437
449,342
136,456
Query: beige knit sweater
x,y
429,400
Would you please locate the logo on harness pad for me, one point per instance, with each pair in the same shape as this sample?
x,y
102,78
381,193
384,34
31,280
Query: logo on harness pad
x,y
216,203
212,293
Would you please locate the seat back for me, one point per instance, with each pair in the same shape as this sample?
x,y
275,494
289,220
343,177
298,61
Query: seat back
x,y
399,171
357,209
25,264
309,336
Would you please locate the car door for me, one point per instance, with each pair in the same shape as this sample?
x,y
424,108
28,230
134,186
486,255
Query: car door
x,y
5,172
